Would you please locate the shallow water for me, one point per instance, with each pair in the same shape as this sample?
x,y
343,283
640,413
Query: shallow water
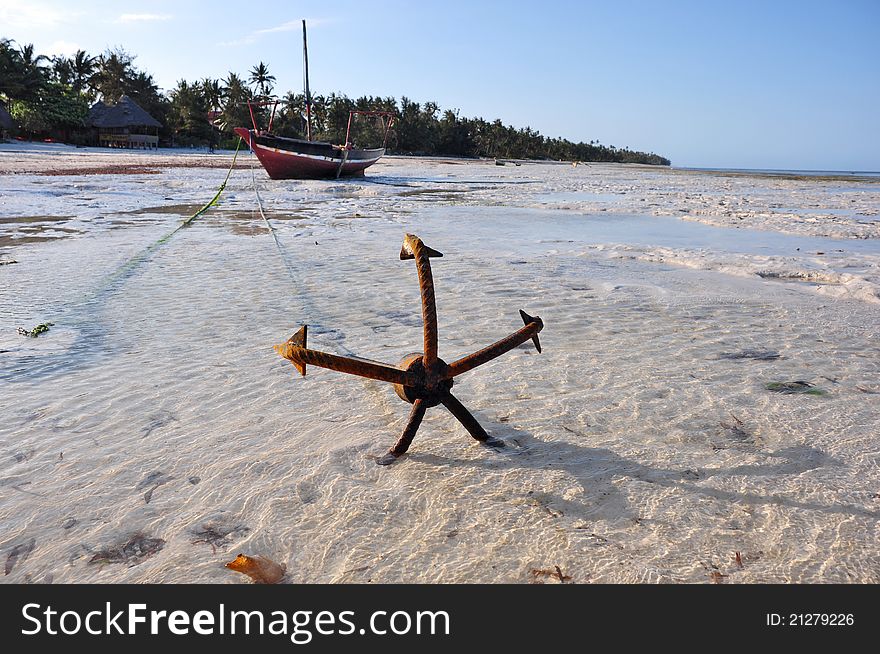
x,y
640,446
661,231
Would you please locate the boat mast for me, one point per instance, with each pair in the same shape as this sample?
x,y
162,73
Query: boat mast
x,y
308,95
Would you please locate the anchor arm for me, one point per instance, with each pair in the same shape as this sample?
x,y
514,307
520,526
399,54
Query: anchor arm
x,y
295,351
533,325
409,433
413,248
464,416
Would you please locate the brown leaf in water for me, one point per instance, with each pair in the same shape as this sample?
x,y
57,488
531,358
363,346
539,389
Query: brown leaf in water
x,y
739,560
19,552
258,568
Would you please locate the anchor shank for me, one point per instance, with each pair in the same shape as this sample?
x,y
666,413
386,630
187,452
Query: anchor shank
x,y
464,416
495,350
359,367
426,286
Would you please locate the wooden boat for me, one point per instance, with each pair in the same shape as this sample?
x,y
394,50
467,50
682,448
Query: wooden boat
x,y
287,158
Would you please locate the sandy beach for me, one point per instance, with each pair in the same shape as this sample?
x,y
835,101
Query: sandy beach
x,y
152,433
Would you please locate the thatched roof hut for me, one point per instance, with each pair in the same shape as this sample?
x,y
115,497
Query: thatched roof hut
x,y
125,113
124,124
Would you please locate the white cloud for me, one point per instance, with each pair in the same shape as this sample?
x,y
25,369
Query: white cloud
x,y
65,48
284,27
26,15
256,35
142,18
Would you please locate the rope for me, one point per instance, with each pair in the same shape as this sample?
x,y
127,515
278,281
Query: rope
x,y
216,197
371,386
143,255
128,266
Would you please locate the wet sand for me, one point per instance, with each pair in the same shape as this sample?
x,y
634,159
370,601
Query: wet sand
x,y
153,433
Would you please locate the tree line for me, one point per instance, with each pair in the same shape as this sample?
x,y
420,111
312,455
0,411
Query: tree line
x,y
51,96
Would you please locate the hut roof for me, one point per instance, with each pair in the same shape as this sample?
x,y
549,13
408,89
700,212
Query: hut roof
x,y
125,113
6,121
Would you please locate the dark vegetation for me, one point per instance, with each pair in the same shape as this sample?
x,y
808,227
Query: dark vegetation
x,y
50,97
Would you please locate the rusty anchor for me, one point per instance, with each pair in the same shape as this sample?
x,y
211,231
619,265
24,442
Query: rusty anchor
x,y
422,379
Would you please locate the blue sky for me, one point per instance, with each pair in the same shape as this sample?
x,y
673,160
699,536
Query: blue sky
x,y
771,84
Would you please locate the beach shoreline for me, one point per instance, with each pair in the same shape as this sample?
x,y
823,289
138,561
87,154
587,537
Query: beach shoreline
x,y
152,433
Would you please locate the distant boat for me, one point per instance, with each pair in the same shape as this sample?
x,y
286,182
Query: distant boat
x,y
287,158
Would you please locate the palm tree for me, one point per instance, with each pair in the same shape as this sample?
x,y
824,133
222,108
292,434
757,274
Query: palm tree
x,y
235,99
188,111
33,74
82,69
212,92
61,70
291,117
113,73
261,79
10,69
236,91
141,86
27,56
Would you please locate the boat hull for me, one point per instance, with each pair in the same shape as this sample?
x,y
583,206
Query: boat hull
x,y
285,158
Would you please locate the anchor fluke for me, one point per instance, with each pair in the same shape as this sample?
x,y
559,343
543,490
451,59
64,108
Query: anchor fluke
x,y
410,243
527,319
297,340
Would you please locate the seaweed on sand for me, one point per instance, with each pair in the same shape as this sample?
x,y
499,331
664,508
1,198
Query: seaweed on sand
x,y
794,387
154,479
19,553
133,551
737,429
42,328
215,534
757,355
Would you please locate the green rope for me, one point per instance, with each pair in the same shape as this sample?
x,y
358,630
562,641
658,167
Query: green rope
x,y
138,258
213,200
145,254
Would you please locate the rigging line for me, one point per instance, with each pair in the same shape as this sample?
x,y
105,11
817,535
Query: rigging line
x,y
291,271
379,398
